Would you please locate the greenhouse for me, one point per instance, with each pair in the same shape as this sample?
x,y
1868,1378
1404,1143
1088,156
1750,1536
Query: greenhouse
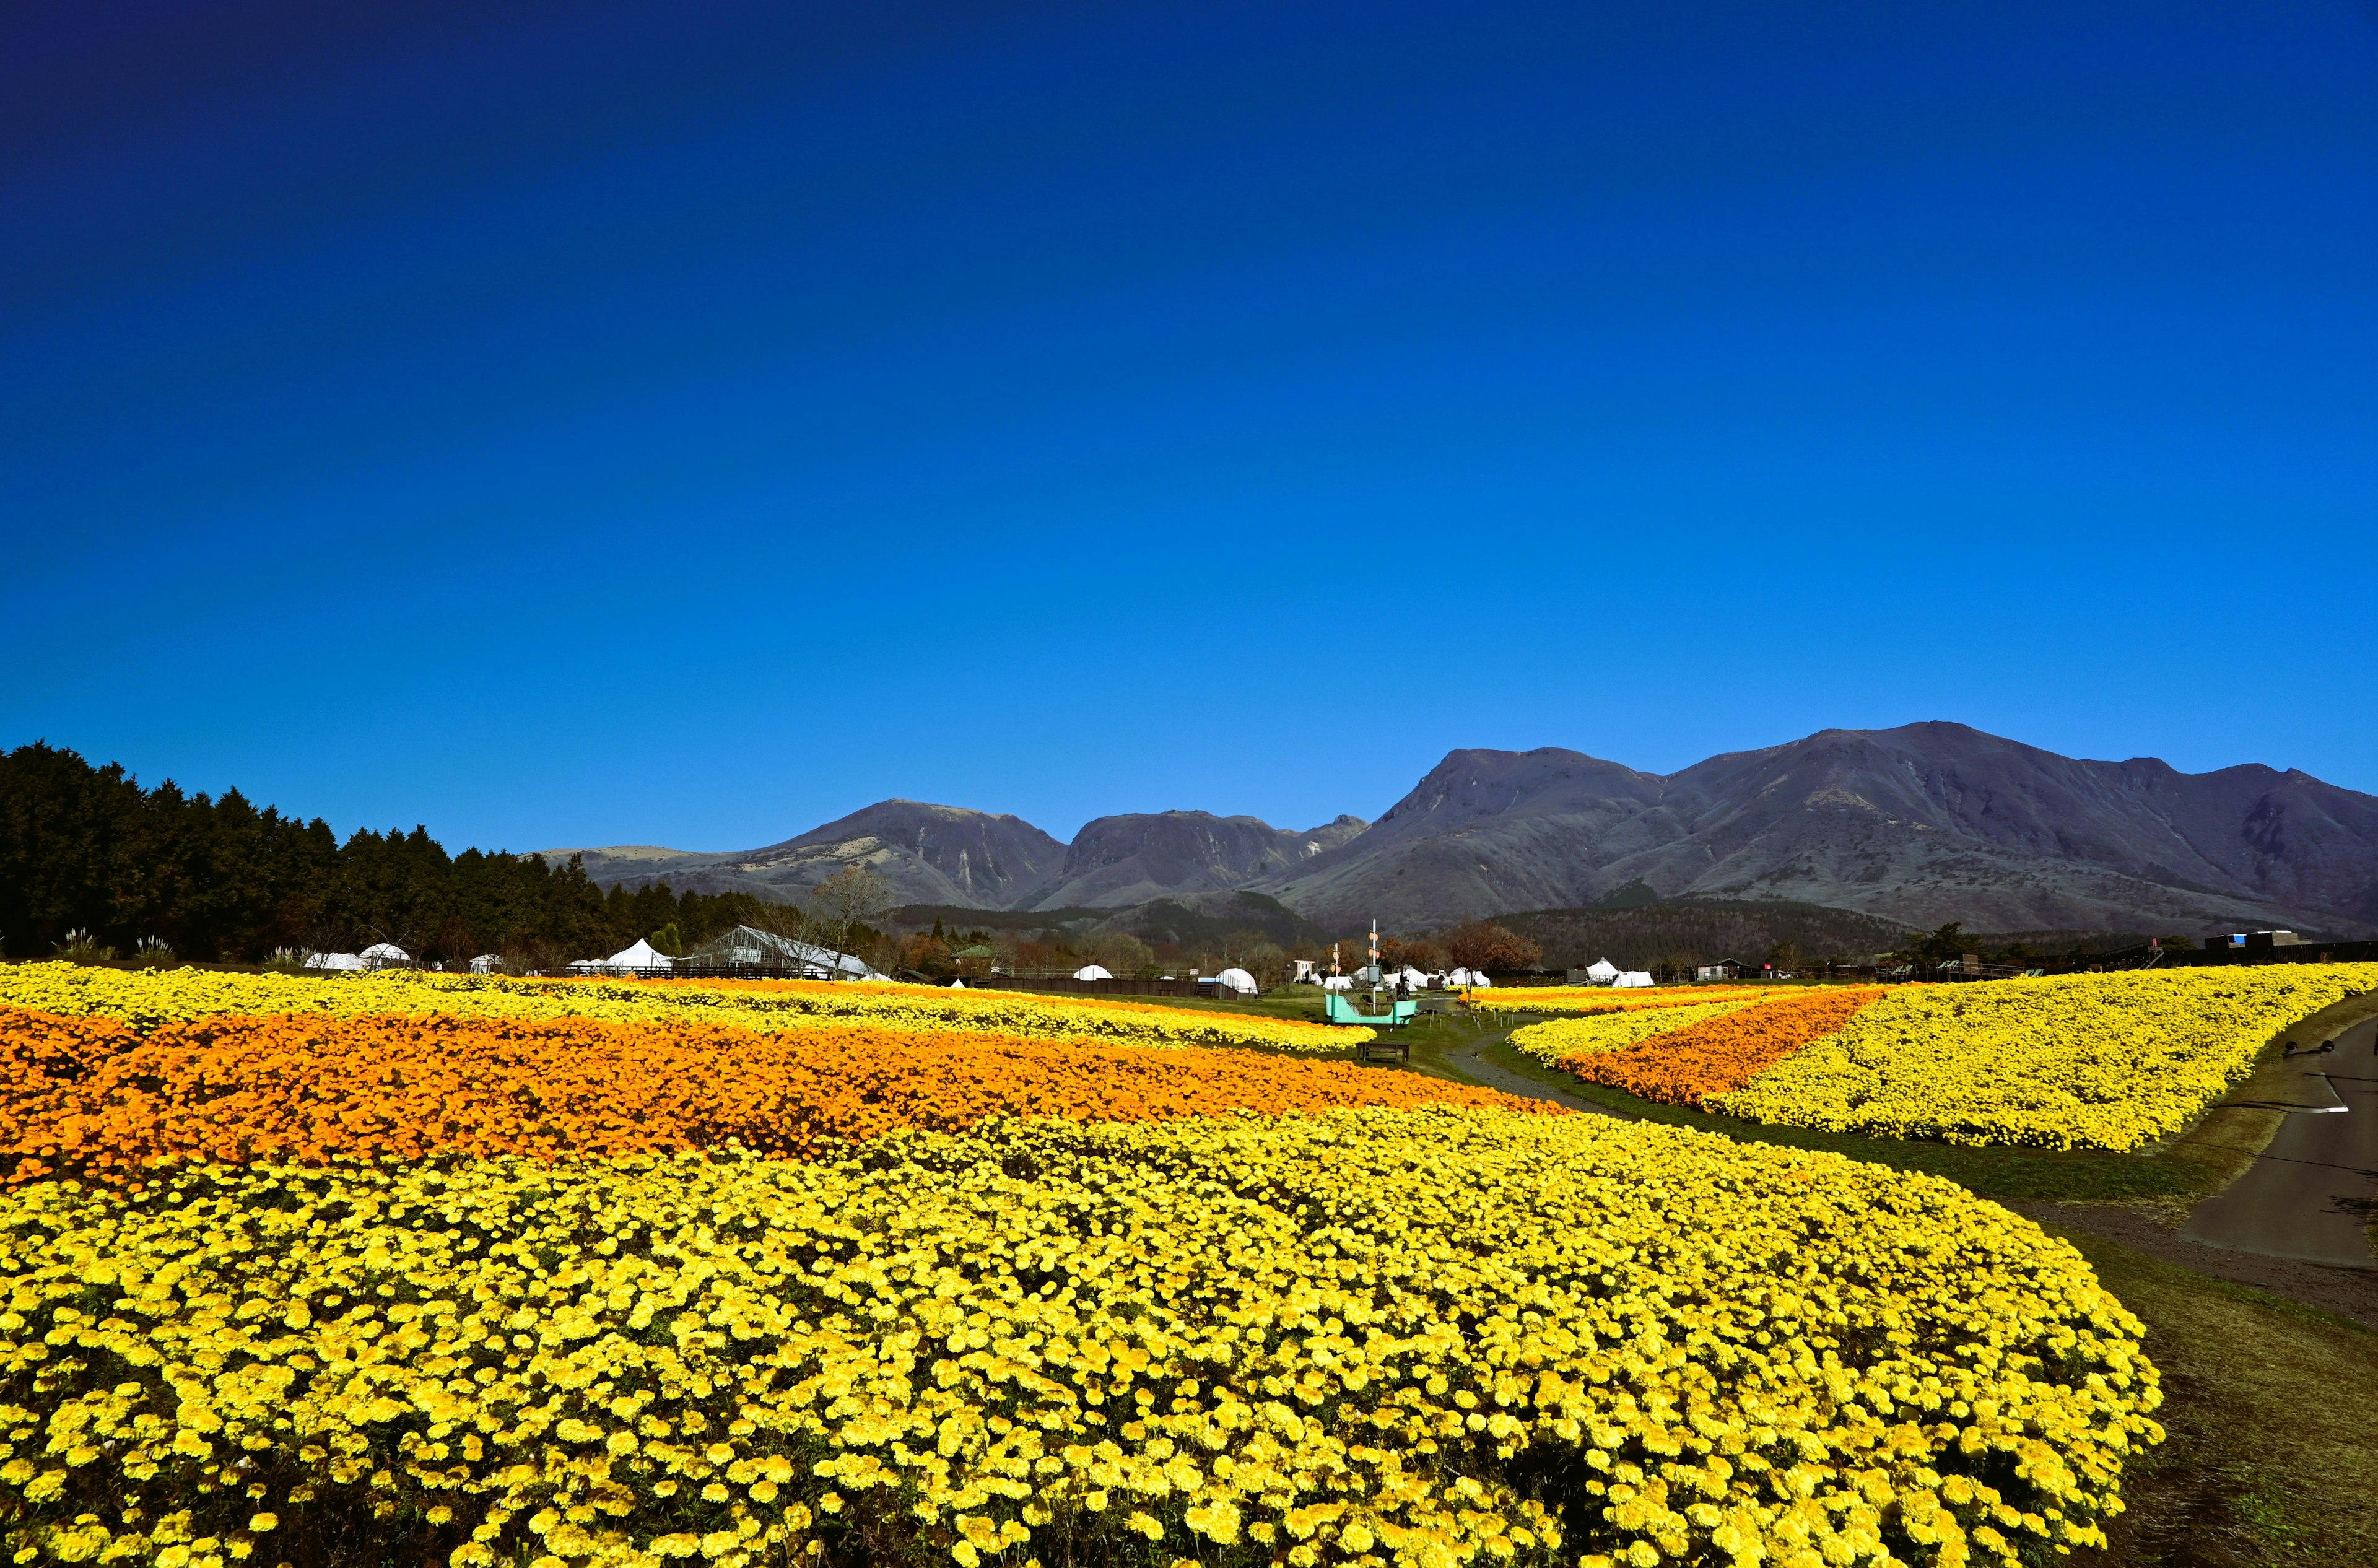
x,y
748,947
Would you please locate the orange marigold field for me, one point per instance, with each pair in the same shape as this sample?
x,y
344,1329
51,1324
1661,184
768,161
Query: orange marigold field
x,y
90,1097
1720,1055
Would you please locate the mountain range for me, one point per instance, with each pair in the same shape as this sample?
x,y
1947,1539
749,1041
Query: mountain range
x,y
1924,823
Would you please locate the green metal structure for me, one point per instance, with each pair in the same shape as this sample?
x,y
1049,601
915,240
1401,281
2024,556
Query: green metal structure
x,y
1342,1010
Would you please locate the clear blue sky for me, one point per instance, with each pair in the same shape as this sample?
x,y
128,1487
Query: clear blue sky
x,y
600,423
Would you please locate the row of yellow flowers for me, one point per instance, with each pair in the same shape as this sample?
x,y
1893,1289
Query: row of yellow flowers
x,y
2106,1061
146,999
1578,1000
1429,1338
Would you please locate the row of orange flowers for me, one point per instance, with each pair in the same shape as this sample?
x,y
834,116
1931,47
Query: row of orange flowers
x,y
1720,1055
87,1097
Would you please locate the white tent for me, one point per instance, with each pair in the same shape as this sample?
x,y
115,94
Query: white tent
x,y
1468,977
1337,982
640,956
1632,977
958,985
1410,979
1238,980
1093,972
379,955
1601,971
486,964
334,961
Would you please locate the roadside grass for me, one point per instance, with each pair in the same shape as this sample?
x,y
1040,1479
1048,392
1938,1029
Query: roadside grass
x,y
2269,1460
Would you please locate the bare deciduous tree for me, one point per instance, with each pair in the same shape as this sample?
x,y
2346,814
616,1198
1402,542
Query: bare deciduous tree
x,y
1482,944
852,897
1120,952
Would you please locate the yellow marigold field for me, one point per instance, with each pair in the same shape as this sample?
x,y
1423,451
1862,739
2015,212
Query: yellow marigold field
x,y
1548,1043
2106,1061
1427,1338
145,1000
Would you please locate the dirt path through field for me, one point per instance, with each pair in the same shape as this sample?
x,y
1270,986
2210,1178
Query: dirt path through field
x,y
1475,1060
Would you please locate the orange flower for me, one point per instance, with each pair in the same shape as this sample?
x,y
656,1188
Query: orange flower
x,y
1720,1055
89,1098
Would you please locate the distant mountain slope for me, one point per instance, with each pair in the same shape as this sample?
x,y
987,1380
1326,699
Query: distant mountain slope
x,y
1131,859
1924,823
927,854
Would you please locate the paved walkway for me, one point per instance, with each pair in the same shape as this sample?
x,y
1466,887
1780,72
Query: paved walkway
x,y
2307,1196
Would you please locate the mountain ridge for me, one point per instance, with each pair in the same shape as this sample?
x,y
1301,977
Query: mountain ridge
x,y
1920,823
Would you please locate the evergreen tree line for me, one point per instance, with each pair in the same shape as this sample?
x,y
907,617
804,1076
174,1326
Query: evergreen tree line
x,y
88,849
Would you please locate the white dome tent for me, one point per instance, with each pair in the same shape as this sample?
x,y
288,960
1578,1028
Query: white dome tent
x,y
1412,979
1093,972
1462,977
338,961
486,964
1237,980
1632,977
1337,982
385,955
1601,971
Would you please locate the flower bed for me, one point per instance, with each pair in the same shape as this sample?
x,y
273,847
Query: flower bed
x,y
1719,1054
145,1000
1614,1029
91,1097
2106,1061
1434,1337
1586,1000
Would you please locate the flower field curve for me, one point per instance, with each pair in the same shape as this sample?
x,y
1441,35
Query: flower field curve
x,y
1716,1054
2081,1061
1433,1337
2105,1061
89,1098
146,1001
1555,1042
